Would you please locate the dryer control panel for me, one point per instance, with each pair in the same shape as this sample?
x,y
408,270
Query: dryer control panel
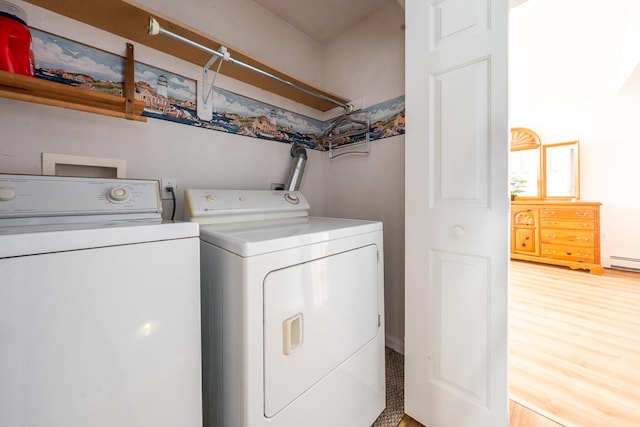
x,y
218,206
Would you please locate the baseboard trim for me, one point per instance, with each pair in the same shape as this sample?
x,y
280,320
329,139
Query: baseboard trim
x,y
395,344
621,263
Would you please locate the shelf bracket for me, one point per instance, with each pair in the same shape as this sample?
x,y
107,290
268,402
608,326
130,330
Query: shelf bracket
x,y
129,84
205,111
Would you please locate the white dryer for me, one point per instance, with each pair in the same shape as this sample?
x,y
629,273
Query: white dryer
x,y
99,306
293,312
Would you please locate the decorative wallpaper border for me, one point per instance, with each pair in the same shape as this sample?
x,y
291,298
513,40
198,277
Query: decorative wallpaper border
x,y
173,97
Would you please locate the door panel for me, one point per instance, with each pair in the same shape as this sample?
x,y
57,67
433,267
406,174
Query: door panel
x,y
461,152
457,212
455,19
460,351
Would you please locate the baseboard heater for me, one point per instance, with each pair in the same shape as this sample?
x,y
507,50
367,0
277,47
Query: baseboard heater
x,y
624,263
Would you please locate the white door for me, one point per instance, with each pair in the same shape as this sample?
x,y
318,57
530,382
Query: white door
x,y
456,212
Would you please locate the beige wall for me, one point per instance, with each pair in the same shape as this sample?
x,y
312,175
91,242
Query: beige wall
x,y
368,62
156,149
365,63
247,26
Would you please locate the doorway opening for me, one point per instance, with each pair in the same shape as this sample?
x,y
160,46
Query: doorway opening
x,y
574,344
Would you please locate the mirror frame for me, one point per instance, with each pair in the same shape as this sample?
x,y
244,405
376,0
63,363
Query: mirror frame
x,y
526,139
546,150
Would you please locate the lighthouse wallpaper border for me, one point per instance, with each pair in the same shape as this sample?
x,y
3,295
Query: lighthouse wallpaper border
x,y
64,61
172,97
167,95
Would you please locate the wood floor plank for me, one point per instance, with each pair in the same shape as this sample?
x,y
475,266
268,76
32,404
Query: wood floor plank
x,y
520,416
575,344
407,421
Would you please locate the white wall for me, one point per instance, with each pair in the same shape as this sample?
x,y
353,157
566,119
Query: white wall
x,y
367,62
570,65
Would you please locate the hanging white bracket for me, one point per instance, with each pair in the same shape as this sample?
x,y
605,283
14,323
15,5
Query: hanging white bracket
x,y
206,110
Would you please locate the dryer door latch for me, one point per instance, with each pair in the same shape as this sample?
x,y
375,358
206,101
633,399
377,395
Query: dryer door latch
x,y
292,334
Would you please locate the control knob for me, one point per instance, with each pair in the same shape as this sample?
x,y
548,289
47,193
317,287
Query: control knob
x,y
292,198
118,194
7,194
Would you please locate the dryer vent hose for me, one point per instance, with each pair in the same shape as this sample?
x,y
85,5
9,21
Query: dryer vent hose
x,y
299,155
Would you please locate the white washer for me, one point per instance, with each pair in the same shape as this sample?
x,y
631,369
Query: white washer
x,y
293,312
99,306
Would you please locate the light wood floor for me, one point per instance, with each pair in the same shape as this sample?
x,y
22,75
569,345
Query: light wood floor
x,y
575,344
519,416
574,348
407,421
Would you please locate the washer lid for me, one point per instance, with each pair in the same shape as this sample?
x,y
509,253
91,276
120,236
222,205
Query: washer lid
x,y
259,237
47,238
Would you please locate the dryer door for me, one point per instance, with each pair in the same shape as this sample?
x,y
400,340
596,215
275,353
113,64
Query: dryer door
x,y
316,316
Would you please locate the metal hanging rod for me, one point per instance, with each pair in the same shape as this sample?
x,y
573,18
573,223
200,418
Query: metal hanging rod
x,y
155,28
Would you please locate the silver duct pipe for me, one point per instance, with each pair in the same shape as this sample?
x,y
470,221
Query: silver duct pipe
x,y
299,155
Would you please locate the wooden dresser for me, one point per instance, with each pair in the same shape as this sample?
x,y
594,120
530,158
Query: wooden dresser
x,y
557,232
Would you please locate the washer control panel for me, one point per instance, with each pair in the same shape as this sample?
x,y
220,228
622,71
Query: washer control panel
x,y
23,196
213,206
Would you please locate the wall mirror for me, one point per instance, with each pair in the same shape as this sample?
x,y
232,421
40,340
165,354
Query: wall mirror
x,y
524,176
537,171
561,169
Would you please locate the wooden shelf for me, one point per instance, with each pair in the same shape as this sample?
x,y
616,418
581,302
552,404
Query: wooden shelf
x,y
31,89
130,22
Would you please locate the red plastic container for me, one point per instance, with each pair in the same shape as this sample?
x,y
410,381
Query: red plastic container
x,y
15,41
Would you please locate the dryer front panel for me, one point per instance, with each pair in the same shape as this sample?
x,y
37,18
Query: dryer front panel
x,y
316,316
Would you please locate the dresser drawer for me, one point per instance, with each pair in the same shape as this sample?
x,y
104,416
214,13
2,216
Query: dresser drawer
x,y
557,232
568,253
524,217
573,224
582,238
523,241
568,212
